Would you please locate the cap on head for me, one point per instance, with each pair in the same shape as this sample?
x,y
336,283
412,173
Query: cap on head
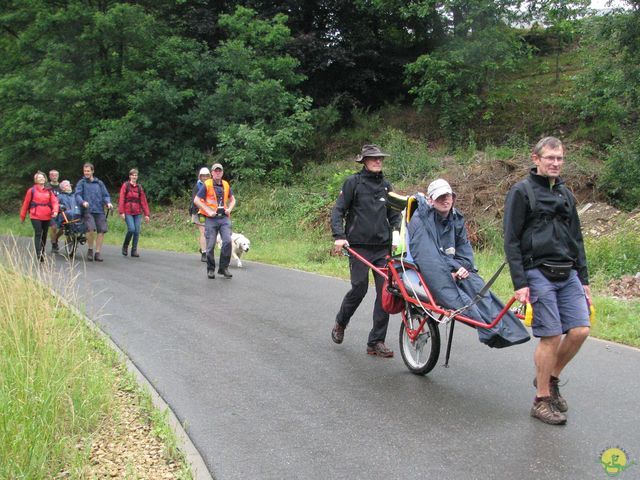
x,y
204,171
216,166
437,188
370,151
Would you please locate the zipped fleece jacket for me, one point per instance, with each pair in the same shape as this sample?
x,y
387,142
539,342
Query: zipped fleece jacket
x,y
552,233
363,203
94,192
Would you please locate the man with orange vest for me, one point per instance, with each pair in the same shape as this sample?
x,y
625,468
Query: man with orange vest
x,y
216,201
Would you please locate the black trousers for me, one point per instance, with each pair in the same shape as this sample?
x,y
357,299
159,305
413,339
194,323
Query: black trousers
x,y
40,230
359,286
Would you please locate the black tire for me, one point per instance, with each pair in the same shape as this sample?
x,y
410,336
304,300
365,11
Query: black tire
x,y
70,245
421,355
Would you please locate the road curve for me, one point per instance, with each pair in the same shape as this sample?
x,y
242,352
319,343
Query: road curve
x,y
249,368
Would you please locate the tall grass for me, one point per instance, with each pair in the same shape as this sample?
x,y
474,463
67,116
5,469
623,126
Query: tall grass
x,y
55,385
58,378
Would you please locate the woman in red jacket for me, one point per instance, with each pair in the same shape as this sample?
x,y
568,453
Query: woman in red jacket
x,y
42,205
132,205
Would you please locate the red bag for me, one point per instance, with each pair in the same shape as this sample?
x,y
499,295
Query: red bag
x,y
391,303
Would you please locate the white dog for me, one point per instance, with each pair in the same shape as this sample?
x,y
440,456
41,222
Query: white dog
x,y
239,245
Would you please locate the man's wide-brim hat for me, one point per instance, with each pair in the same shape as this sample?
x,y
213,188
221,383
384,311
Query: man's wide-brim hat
x,y
370,151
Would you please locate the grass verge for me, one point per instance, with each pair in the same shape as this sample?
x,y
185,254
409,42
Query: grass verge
x,y
58,378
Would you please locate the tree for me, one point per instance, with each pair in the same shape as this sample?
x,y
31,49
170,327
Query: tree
x,y
259,119
559,17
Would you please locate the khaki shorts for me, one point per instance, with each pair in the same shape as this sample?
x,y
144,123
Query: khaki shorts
x,y
195,219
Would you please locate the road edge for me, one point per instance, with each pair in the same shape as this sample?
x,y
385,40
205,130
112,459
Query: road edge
x,y
192,454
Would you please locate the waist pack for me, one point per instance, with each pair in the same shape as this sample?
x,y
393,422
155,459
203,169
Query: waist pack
x,y
556,272
391,303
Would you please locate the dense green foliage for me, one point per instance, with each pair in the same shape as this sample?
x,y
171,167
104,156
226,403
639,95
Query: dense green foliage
x,y
266,85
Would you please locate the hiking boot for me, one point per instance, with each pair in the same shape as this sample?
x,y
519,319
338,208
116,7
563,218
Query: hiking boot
x,y
89,255
379,349
203,256
544,410
337,334
125,250
225,273
134,253
55,248
211,274
97,257
554,388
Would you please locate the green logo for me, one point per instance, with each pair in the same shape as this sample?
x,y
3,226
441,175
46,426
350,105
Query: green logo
x,y
615,461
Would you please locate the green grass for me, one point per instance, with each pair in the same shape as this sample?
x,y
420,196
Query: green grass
x,y
57,377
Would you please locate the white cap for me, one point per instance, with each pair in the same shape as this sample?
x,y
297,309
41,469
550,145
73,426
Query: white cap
x,y
437,188
204,171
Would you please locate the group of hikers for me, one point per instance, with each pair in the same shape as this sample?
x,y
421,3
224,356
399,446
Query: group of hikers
x,y
544,250
51,204
542,241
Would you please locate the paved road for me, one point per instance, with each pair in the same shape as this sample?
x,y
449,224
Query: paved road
x,y
248,365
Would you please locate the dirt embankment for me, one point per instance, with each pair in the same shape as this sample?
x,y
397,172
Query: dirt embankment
x,y
481,187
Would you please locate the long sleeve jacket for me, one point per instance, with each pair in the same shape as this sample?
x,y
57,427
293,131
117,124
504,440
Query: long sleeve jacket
x,y
361,214
94,192
551,233
132,200
40,202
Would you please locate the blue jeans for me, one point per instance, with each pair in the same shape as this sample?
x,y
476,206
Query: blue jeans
x,y
133,230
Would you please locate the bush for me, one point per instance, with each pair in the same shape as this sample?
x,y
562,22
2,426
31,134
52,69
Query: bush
x,y
614,256
621,176
411,161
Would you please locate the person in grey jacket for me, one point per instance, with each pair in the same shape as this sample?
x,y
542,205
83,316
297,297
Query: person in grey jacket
x,y
545,250
93,196
363,220
438,244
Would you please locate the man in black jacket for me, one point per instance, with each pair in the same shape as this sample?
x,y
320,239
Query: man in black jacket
x,y
545,250
368,230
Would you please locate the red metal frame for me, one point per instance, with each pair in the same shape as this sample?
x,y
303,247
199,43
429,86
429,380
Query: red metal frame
x,y
394,266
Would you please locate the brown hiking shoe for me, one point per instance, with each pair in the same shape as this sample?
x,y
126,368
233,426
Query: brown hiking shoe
x,y
544,409
337,334
554,388
379,349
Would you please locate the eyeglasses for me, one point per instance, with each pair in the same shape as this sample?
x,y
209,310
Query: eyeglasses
x,y
551,159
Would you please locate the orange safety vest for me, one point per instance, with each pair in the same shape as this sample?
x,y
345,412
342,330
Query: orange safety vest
x,y
211,200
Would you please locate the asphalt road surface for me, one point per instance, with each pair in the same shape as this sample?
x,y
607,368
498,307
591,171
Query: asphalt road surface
x,y
249,368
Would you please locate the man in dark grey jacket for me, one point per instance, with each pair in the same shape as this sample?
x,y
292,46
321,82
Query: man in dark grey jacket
x,y
363,220
545,250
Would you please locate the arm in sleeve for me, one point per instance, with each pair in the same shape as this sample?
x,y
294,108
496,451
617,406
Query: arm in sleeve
x,y
106,199
144,203
464,251
393,216
55,205
121,198
576,232
80,192
341,208
25,204
515,211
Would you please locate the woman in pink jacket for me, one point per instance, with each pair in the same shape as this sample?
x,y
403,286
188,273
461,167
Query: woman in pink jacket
x,y
132,205
42,205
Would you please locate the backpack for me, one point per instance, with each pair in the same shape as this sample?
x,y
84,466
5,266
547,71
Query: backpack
x,y
128,189
33,204
531,196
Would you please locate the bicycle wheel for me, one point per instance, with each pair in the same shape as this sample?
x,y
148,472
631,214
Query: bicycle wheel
x,y
419,355
70,244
